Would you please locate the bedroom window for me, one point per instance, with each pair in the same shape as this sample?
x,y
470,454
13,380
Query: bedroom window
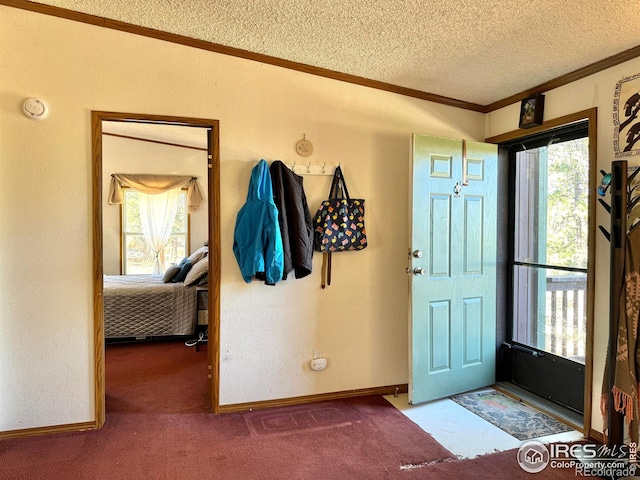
x,y
155,229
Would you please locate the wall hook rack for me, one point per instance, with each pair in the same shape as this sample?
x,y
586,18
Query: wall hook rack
x,y
619,207
311,169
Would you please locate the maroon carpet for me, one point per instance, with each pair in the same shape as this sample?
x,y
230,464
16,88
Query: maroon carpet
x,y
497,466
158,427
156,377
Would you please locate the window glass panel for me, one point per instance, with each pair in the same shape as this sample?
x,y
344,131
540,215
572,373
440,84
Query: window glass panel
x,y
137,254
180,223
132,212
138,258
551,204
550,310
551,185
175,249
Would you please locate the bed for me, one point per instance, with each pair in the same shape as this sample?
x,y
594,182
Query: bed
x,y
144,306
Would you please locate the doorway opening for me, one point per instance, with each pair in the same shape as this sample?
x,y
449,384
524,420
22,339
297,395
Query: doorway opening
x,y
209,226
545,347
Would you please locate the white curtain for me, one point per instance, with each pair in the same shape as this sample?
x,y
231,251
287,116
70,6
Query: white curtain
x,y
157,214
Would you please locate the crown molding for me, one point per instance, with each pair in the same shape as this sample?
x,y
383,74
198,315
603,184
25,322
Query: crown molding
x,y
568,78
235,52
322,72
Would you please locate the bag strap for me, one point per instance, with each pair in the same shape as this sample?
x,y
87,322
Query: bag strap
x,y
343,184
323,278
338,190
339,186
335,184
326,270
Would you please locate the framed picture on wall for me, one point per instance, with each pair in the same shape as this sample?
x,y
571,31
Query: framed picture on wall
x,y
531,111
626,117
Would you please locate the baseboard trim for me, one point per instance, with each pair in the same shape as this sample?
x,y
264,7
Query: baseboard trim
x,y
236,407
284,402
39,431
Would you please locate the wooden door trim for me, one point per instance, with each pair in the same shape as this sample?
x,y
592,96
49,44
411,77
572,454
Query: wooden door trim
x,y
97,117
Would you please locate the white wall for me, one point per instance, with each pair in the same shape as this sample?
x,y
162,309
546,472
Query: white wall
x,y
267,333
594,91
124,155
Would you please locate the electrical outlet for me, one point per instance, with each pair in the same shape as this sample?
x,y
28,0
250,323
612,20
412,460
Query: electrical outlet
x,y
317,353
318,364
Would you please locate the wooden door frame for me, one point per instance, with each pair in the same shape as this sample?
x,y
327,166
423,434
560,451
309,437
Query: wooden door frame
x,y
591,115
97,117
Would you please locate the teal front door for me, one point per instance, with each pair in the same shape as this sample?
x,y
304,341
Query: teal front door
x,y
452,267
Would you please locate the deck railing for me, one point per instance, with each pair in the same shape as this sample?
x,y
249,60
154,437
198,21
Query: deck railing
x,y
565,323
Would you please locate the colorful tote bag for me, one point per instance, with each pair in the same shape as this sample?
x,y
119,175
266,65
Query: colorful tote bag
x,y
339,222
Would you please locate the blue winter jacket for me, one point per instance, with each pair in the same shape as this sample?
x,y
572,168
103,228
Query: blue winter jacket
x,y
257,241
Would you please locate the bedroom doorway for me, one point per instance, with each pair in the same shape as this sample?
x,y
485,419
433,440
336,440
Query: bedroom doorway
x,y
163,127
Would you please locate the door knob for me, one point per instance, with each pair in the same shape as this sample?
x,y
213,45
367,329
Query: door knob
x,y
417,254
419,271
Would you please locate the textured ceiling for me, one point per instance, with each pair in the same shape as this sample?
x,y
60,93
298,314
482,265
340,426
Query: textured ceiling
x,y
477,51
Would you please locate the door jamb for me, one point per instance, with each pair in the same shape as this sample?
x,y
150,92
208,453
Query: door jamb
x,y
213,350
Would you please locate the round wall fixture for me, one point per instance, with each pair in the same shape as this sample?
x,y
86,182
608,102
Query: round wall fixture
x,y
35,108
304,147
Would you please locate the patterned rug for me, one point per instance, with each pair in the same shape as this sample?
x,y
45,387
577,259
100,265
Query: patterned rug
x,y
515,418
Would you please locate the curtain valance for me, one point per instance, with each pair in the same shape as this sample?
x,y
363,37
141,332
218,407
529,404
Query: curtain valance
x,y
154,185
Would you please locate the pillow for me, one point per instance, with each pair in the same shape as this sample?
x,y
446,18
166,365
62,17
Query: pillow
x,y
170,273
198,255
183,262
197,272
185,266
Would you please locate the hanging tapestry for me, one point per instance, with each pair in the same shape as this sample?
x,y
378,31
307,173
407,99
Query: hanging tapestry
x,y
626,117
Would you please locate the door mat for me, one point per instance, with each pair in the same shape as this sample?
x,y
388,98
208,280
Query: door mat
x,y
515,418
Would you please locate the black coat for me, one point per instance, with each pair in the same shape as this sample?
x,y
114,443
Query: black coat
x,y
294,218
